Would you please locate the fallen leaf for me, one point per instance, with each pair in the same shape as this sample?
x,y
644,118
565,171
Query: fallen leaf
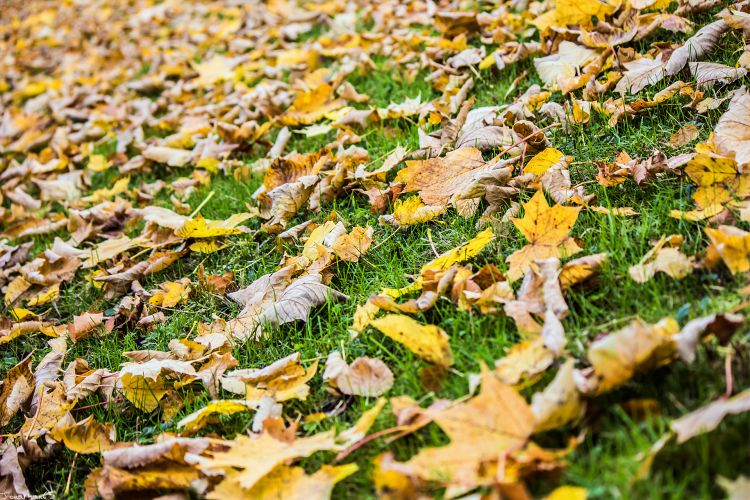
x,y
367,377
708,418
86,436
546,229
427,341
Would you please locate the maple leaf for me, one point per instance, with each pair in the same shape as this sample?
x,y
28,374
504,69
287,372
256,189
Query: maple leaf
x,y
487,426
258,456
285,482
617,357
438,180
546,228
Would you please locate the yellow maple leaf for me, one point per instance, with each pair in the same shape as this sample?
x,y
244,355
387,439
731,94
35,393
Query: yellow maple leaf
x,y
718,178
285,482
309,107
214,70
573,12
546,228
98,163
258,456
487,426
639,346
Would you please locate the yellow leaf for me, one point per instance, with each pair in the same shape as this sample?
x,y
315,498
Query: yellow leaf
x,y
100,195
171,293
524,360
640,346
46,296
412,211
574,12
350,247
15,289
427,341
717,177
86,436
560,402
214,70
285,482
202,228
20,313
732,245
543,161
98,163
17,387
309,107
546,228
567,493
200,418
206,246
488,426
461,253
257,456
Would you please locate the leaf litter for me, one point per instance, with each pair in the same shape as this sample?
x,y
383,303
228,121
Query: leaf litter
x,y
107,135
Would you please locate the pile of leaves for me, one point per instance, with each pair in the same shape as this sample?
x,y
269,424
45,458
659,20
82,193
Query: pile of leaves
x,y
116,119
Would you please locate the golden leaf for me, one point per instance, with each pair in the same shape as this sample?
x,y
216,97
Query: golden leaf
x,y
427,341
541,162
202,228
86,436
461,253
546,228
486,427
200,418
257,457
289,483
638,347
733,246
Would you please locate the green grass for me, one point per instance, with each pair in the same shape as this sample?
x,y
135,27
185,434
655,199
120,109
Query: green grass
x,y
611,453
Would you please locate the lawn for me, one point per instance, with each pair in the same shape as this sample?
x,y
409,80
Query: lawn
x,y
613,438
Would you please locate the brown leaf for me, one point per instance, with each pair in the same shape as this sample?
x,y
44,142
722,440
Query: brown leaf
x,y
708,418
366,377
17,387
696,47
685,135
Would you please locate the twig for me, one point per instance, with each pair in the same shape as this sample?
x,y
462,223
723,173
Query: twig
x,y
728,373
509,148
432,244
366,440
70,474
36,415
203,204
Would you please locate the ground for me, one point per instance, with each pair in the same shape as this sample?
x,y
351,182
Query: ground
x,y
614,442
